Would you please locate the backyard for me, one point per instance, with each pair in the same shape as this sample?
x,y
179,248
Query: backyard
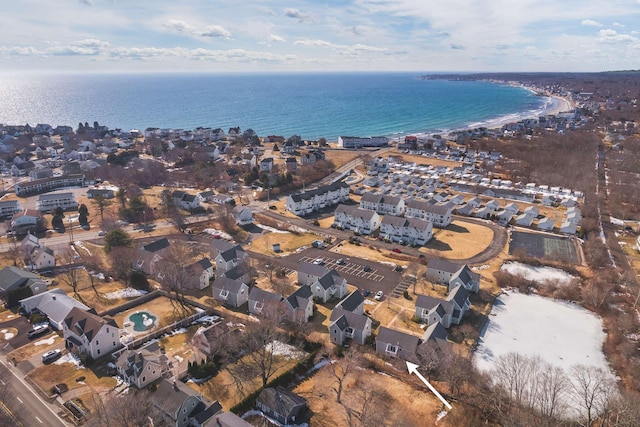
x,y
460,240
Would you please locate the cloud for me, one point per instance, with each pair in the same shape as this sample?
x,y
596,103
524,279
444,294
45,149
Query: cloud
x,y
19,50
182,27
86,47
215,31
275,38
617,24
344,48
590,23
87,2
457,46
267,10
231,55
300,16
612,36
178,26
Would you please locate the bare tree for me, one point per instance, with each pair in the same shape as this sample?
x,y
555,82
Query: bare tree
x,y
341,370
173,273
412,274
93,265
122,259
130,411
71,273
101,203
552,391
593,389
370,406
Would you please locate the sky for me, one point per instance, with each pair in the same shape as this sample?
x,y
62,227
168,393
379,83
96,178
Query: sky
x,y
329,35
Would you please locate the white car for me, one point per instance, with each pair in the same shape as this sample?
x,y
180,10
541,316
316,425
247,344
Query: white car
x,y
51,355
318,261
378,296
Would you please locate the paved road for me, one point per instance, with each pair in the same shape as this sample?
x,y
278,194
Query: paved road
x,y
28,407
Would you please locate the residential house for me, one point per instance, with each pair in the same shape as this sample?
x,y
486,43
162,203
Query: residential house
x,y
281,404
408,230
439,215
106,193
54,304
227,419
524,220
48,202
227,256
443,271
345,325
214,338
205,196
356,219
396,344
142,366
546,224
221,199
434,310
8,208
47,184
22,169
299,305
359,142
311,157
475,202
89,335
243,215
13,278
568,227
330,285
314,200
382,204
200,273
291,165
309,273
182,406
230,292
261,301
25,221
40,173
354,303
150,257
532,211
184,200
266,164
43,258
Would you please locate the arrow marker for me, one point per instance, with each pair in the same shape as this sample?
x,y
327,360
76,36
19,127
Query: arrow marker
x,y
413,369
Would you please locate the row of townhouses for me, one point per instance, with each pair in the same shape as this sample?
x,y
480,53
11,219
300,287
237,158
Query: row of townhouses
x,y
310,201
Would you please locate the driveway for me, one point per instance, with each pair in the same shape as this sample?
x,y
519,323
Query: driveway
x,y
22,325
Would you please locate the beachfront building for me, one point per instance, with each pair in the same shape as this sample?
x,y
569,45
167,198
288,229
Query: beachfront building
x,y
439,215
358,142
48,184
313,200
47,202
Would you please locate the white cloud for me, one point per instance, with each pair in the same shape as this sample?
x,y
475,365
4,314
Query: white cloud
x,y
215,31
590,23
178,26
612,36
617,24
300,16
275,38
344,48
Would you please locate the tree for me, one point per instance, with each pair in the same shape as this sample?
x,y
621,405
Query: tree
x,y
71,273
121,258
83,212
121,195
593,389
101,203
413,270
341,370
117,238
93,265
174,275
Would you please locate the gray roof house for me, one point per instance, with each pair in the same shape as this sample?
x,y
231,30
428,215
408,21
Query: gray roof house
x,y
12,278
142,366
281,404
346,325
354,303
309,273
200,273
330,285
54,304
181,405
299,305
88,334
230,292
396,344
434,310
443,271
261,301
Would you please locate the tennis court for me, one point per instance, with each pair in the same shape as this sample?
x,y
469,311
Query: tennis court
x,y
544,246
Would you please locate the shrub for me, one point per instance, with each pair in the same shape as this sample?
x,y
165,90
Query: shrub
x,y
36,318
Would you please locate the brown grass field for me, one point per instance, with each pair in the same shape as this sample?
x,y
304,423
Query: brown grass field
x,y
341,157
289,242
7,333
160,307
366,252
460,240
47,376
30,349
408,406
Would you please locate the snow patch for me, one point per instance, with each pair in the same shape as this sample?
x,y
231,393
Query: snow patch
x,y
440,416
68,358
537,274
48,341
125,293
271,229
278,348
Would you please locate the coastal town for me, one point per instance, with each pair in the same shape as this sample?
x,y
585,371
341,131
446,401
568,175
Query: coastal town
x,y
219,277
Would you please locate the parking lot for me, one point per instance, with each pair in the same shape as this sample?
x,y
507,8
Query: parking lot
x,y
350,266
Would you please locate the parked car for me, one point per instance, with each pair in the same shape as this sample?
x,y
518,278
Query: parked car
x,y
318,261
366,268
340,261
397,250
366,292
101,233
38,330
51,355
378,296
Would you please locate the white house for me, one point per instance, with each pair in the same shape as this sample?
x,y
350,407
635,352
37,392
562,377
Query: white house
x,y
524,220
243,215
439,215
142,366
568,227
382,204
47,202
54,304
409,230
184,200
358,142
230,292
87,334
43,258
266,164
9,207
356,219
546,224
200,273
329,285
313,200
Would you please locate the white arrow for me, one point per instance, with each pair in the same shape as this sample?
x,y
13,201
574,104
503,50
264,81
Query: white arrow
x,y
413,369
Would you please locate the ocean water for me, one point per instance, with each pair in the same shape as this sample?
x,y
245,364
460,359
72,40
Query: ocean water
x,y
310,105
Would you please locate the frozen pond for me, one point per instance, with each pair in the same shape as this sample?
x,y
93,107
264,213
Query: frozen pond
x,y
561,333
537,274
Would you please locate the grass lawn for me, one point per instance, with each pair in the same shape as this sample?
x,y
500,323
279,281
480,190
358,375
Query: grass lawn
x,y
341,157
160,307
7,333
459,240
8,314
422,160
289,242
223,388
420,409
326,222
36,346
47,376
